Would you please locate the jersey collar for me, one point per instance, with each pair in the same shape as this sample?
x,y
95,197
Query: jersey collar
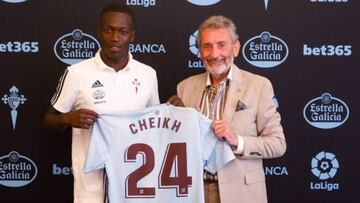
x,y
103,66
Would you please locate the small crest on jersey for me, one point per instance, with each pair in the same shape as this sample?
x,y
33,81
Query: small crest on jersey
x,y
98,95
136,84
96,84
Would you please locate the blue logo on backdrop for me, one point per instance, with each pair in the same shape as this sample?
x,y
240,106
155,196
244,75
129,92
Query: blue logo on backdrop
x,y
275,102
203,2
74,47
266,2
58,170
147,48
329,1
16,170
327,50
14,100
193,43
17,47
265,51
194,49
326,112
324,166
144,3
14,1
276,171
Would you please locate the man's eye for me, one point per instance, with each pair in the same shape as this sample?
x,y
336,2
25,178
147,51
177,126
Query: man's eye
x,y
123,32
222,45
108,30
205,46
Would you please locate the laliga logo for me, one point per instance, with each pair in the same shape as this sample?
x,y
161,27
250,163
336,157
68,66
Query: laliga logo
x,y
193,44
14,100
16,170
324,166
203,2
144,3
326,112
14,1
75,47
265,51
194,50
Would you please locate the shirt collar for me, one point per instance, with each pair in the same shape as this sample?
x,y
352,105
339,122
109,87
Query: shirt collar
x,y
229,77
103,66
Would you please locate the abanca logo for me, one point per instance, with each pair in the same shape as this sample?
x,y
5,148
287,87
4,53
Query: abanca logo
x,y
326,112
204,2
74,47
16,170
265,51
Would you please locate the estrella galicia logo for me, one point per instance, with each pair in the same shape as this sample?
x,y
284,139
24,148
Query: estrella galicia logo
x,y
74,47
204,2
324,166
16,170
194,49
326,112
265,51
14,1
14,100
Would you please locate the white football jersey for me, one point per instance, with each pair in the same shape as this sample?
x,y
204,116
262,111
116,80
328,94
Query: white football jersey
x,y
156,155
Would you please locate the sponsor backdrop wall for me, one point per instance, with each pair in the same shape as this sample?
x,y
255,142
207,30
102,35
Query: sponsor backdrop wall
x,y
307,48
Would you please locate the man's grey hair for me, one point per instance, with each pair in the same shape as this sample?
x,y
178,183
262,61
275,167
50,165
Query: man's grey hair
x,y
217,22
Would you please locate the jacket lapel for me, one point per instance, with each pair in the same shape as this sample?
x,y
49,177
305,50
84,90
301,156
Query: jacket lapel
x,y
233,94
198,91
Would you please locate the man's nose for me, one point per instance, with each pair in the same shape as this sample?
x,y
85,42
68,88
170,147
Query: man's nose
x,y
214,52
115,36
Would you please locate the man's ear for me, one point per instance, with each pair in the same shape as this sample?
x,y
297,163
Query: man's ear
x,y
132,36
236,48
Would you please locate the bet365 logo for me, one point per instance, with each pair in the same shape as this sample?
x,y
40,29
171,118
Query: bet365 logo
x,y
327,50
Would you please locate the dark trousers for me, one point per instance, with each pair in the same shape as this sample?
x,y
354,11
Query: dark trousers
x,y
211,192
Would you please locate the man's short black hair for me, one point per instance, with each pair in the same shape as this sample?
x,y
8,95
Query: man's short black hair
x,y
118,7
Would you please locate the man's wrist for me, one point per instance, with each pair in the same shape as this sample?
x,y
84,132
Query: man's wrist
x,y
239,149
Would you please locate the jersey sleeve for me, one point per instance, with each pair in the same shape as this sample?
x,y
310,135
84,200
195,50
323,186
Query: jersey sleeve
x,y
216,153
98,148
64,98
